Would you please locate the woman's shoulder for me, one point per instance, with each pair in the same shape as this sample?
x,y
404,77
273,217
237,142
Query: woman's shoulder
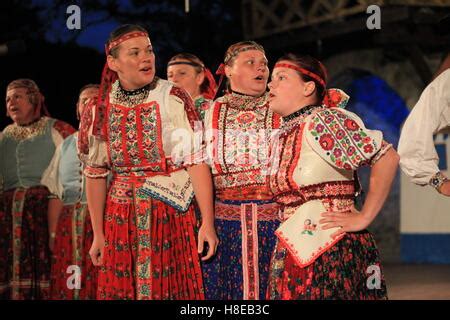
x,y
63,128
340,137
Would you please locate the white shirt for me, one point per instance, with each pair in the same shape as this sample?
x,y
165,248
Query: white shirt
x,y
418,157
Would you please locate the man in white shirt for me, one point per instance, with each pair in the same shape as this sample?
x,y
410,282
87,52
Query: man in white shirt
x,y
431,115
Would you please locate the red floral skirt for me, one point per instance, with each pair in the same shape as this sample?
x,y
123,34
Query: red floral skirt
x,y
150,250
24,252
350,270
73,275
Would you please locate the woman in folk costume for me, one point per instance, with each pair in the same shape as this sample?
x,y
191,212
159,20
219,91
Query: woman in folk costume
x,y
238,127
323,250
73,276
26,149
142,131
189,72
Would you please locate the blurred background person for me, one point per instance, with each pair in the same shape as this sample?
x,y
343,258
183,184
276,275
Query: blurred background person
x,y
69,221
189,72
26,149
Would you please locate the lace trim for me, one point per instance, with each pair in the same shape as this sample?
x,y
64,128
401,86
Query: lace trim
x,y
19,133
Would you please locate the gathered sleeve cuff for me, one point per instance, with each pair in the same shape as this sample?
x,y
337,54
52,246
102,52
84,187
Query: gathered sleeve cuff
x,y
385,146
97,162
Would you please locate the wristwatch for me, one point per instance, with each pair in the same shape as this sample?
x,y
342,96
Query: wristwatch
x,y
437,180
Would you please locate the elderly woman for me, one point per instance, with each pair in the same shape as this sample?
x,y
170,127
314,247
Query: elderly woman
x,y
323,250
26,149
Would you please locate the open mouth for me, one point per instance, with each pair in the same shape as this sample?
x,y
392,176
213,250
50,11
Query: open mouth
x,y
259,78
146,69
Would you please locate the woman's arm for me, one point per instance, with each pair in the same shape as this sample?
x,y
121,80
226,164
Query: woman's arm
x,y
381,177
202,183
55,207
96,198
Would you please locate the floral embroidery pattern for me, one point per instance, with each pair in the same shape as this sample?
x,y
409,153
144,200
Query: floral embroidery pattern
x,y
131,137
244,125
202,105
335,98
149,126
343,141
309,227
140,128
115,136
148,249
337,274
63,128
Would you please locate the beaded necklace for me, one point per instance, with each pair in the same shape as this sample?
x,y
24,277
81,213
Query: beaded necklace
x,y
298,116
130,98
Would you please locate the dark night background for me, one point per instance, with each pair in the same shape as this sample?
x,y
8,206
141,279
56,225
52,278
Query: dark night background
x,y
61,61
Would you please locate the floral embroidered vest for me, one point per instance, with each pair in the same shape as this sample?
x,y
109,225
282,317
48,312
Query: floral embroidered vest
x,y
135,143
298,172
242,127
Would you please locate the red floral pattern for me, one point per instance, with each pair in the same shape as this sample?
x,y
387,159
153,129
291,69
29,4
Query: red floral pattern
x,y
341,273
72,243
244,125
344,143
150,250
335,98
135,137
24,252
63,128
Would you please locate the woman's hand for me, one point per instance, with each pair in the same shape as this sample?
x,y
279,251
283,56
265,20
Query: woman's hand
x,y
51,241
96,251
207,233
347,221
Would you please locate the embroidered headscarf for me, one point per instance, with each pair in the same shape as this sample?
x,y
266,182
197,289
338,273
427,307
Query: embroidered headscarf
x,y
34,94
232,52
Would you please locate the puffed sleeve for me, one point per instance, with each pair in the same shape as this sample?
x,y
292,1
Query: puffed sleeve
x,y
60,131
92,150
340,137
182,130
418,157
50,178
